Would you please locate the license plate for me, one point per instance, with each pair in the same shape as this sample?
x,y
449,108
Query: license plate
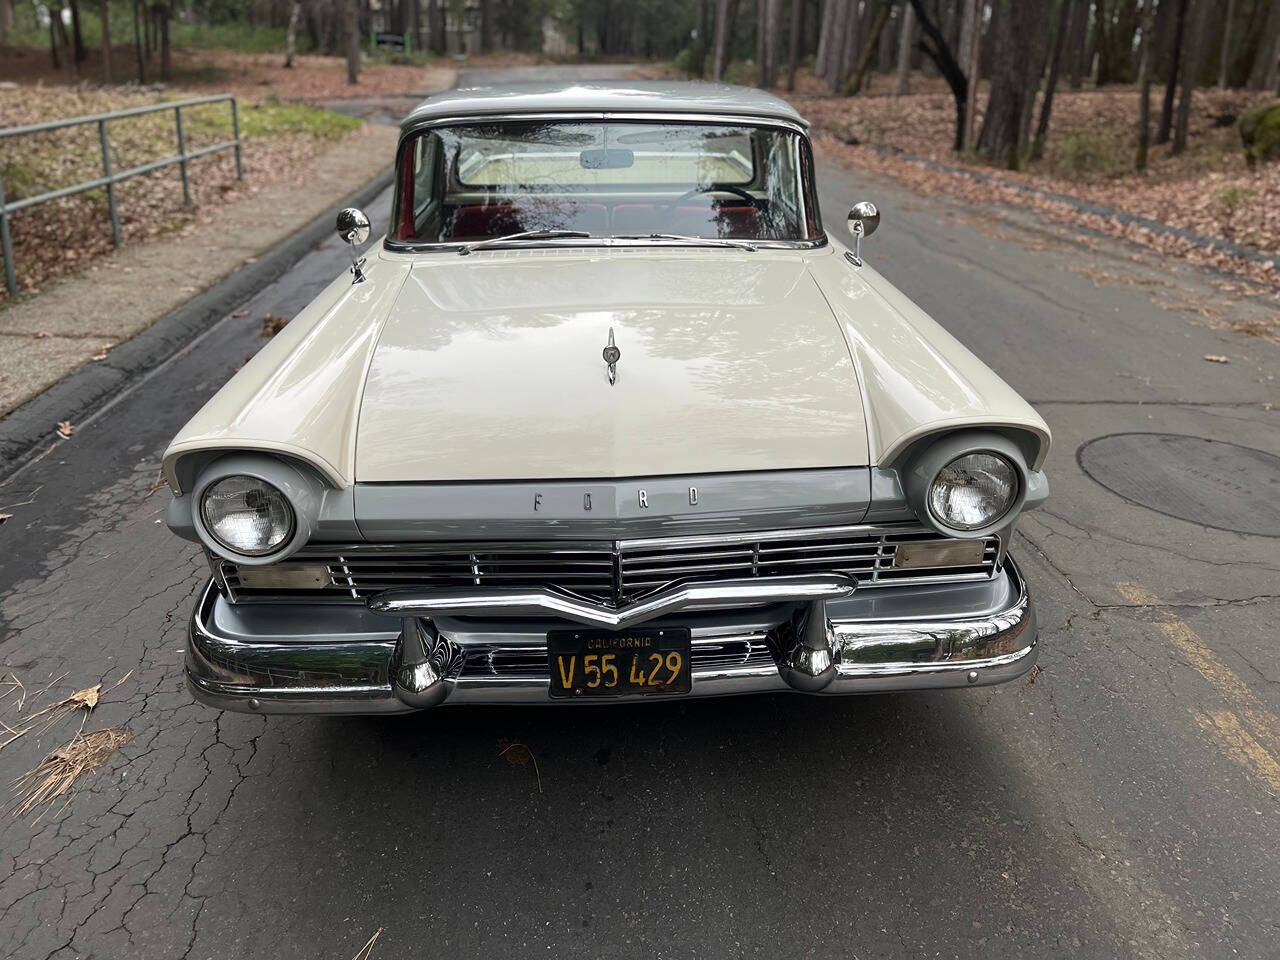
x,y
601,663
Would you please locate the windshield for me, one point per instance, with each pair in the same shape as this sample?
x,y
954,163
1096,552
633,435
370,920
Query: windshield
x,y
463,184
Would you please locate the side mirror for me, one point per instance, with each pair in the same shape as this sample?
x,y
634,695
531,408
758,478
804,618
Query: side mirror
x,y
353,228
864,219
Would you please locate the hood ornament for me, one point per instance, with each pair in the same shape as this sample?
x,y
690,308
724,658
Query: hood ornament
x,y
611,356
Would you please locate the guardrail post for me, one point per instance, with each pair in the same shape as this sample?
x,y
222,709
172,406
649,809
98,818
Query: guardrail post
x,y
235,135
111,183
6,246
182,163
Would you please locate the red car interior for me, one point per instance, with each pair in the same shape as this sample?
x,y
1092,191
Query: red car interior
x,y
480,221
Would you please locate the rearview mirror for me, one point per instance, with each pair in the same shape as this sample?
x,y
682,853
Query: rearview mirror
x,y
607,159
353,228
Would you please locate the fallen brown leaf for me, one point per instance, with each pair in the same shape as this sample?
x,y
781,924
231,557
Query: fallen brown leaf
x,y
273,324
102,354
241,313
40,335
5,516
161,482
65,429
1216,358
519,755
58,772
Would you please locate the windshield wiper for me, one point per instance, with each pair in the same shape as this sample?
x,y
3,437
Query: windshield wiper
x,y
522,235
705,241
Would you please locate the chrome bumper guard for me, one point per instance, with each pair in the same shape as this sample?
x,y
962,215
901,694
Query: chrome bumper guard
x,y
410,651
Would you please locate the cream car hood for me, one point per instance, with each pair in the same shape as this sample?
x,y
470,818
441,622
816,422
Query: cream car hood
x,y
489,367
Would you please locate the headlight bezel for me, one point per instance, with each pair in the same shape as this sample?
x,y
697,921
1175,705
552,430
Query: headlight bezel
x,y
210,523
929,459
302,493
1014,481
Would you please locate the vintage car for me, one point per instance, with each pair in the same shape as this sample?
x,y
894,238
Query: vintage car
x,y
606,415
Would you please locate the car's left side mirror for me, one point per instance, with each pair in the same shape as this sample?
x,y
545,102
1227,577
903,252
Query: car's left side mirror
x,y
864,218
353,228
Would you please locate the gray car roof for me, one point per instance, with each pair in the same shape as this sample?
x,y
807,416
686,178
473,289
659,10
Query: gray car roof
x,y
640,96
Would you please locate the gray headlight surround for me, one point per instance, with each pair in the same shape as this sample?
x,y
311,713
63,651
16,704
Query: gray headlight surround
x,y
304,494
924,465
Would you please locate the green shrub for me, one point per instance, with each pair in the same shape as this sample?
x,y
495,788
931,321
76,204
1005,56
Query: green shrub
x,y
1233,198
1260,133
1084,154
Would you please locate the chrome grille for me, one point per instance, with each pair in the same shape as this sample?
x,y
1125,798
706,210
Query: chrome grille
x,y
614,571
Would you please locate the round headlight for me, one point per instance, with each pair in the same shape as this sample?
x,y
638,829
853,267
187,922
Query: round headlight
x,y
247,515
973,491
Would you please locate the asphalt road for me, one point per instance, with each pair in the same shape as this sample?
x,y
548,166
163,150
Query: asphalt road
x,y
1122,802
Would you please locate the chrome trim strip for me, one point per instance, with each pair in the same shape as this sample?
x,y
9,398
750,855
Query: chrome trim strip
x,y
542,602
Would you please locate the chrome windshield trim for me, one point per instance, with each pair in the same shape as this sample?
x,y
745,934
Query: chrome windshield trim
x,y
543,602
412,128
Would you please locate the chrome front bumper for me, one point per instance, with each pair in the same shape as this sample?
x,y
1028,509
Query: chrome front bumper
x,y
813,635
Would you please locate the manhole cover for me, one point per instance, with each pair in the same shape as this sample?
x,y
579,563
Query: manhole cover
x,y
1209,482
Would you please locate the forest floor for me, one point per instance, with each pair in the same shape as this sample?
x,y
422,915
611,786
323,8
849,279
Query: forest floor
x,y
281,130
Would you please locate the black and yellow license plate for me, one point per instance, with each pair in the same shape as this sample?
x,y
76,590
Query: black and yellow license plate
x,y
601,663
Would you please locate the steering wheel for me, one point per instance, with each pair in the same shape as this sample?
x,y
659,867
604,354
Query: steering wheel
x,y
717,188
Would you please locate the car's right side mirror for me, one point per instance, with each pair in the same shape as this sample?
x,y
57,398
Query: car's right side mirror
x,y
864,218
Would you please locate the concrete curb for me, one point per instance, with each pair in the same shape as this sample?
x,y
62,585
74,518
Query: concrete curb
x,y
1083,206
31,427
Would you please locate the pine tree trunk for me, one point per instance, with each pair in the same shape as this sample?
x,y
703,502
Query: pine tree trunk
x,y
1171,80
104,15
971,58
794,41
1262,75
1224,55
824,38
1146,54
1190,74
137,42
76,35
904,50
6,21
166,56
1077,43
869,48
353,41
291,34
726,15
1055,62
1013,85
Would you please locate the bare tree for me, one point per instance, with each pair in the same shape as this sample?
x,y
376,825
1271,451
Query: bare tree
x,y
1262,76
971,58
1171,82
6,21
768,41
795,41
1077,45
137,41
824,37
1146,53
934,46
1190,74
869,47
105,15
353,41
1055,62
1014,82
291,34
904,51
1224,58
726,16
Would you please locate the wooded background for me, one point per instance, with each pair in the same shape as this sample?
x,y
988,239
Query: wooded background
x,y
1025,49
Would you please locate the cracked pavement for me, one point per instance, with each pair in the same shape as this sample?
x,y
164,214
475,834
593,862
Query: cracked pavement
x,y
1086,810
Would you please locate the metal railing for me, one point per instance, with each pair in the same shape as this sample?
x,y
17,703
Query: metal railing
x,y
109,179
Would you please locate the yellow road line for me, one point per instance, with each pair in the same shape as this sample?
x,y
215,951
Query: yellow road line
x,y
1241,747
1263,732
